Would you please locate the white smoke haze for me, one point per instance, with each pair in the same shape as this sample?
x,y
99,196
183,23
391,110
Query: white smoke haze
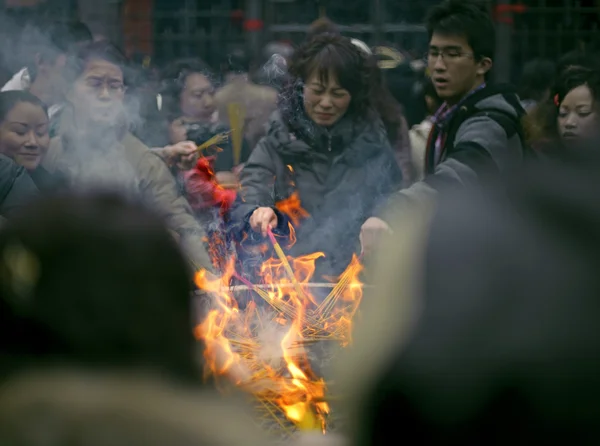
x,y
275,68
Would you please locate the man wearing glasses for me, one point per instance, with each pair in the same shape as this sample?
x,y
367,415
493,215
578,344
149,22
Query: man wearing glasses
x,y
477,134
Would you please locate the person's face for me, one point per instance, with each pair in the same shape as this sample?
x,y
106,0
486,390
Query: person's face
x,y
577,117
325,104
177,131
197,98
24,135
98,93
454,68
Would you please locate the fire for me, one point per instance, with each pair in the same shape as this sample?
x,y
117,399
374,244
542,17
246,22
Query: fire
x,y
292,207
266,351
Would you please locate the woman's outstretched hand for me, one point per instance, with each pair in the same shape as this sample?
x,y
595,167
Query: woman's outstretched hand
x,y
262,219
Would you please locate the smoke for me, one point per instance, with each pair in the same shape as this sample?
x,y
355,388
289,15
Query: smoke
x,y
274,69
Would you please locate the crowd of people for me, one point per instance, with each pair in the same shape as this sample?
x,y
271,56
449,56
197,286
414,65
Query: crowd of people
x,y
470,202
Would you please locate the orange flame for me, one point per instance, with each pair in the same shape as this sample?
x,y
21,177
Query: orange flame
x,y
292,207
283,377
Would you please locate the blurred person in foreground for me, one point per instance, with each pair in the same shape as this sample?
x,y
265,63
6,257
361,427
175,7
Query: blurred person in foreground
x,y
536,81
94,148
94,281
48,48
326,161
24,136
256,101
96,333
61,409
570,116
483,326
477,136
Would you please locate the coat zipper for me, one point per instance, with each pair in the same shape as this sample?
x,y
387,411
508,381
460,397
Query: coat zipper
x,y
329,140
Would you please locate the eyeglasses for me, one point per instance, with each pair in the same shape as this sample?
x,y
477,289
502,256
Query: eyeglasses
x,y
98,86
449,55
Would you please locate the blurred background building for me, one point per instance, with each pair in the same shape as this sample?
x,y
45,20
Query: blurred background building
x,y
166,29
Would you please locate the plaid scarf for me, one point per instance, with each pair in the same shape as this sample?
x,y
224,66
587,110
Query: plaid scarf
x,y
441,117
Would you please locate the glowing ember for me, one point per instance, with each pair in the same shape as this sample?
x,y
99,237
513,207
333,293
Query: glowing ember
x,y
264,350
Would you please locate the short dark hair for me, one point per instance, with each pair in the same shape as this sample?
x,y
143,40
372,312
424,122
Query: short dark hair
x,y
101,50
536,79
8,100
101,282
173,80
468,18
329,54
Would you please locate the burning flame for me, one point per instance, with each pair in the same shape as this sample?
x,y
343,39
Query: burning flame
x,y
292,207
239,344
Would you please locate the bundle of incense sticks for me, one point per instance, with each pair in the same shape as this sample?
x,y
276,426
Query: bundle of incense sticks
x,y
214,141
237,117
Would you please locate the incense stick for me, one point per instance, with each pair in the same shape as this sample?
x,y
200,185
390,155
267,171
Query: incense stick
x,y
286,265
217,139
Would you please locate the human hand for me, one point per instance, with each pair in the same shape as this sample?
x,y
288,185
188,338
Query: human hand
x,y
262,219
183,154
371,232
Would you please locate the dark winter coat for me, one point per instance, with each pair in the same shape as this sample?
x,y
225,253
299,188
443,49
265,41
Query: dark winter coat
x,y
16,187
340,176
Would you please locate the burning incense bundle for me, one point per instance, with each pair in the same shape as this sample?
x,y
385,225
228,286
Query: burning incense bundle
x,y
270,351
237,117
214,141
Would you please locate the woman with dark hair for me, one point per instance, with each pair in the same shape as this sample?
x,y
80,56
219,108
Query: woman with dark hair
x,y
95,149
570,117
24,135
327,147
188,102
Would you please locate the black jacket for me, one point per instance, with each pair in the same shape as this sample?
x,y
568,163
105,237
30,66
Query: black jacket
x,y
340,176
16,187
482,142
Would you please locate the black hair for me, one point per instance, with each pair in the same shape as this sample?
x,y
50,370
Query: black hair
x,y
8,100
321,26
101,50
173,81
536,79
329,54
468,18
94,281
541,123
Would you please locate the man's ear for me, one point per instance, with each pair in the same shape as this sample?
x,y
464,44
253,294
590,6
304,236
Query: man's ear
x,y
484,65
